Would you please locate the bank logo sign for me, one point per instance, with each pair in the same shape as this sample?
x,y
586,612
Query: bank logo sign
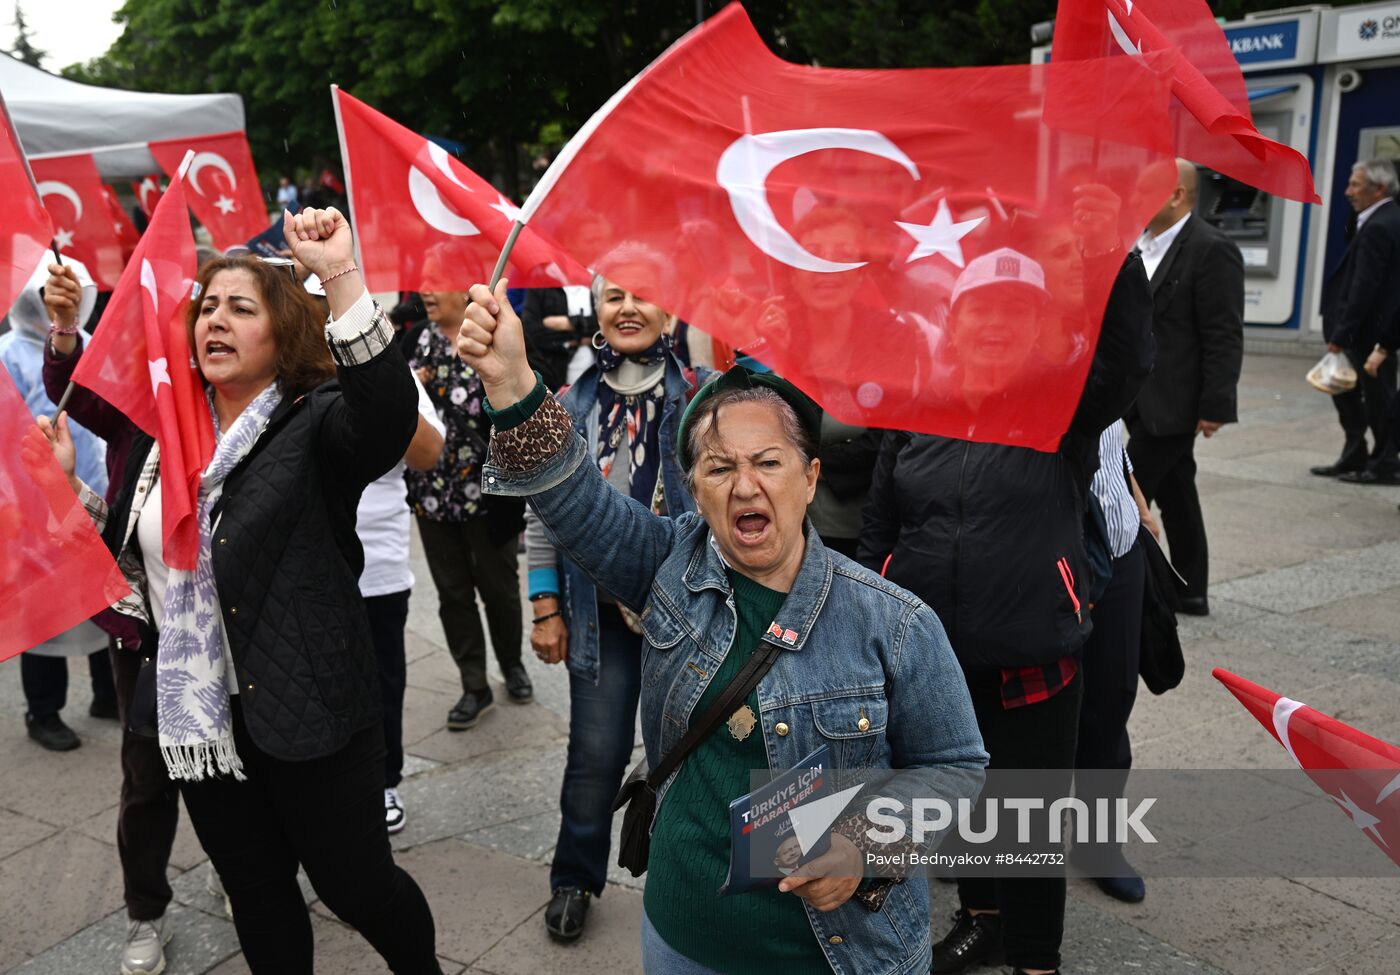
x,y
1264,43
1368,33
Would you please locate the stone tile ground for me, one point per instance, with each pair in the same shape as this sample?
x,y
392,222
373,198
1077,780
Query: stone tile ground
x,y
1307,575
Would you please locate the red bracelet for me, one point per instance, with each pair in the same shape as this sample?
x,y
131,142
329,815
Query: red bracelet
x,y
57,329
338,274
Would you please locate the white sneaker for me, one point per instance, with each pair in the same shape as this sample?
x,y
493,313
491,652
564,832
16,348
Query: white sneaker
x,y
144,953
394,817
215,886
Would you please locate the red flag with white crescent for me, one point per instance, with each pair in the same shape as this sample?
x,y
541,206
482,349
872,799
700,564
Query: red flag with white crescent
x,y
907,246
125,230
424,221
139,360
1320,743
221,185
148,193
1213,124
72,192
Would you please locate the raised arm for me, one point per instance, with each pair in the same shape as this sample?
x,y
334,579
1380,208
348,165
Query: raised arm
x,y
535,453
62,298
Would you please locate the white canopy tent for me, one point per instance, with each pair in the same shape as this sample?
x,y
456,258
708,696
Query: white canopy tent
x,y
58,117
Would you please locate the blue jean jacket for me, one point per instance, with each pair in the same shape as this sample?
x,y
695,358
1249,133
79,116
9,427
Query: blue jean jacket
x,y
578,596
863,648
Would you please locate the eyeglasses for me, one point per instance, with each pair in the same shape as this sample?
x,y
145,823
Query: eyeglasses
x,y
285,262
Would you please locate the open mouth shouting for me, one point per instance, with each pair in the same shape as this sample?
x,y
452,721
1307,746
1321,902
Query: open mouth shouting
x,y
752,527
215,351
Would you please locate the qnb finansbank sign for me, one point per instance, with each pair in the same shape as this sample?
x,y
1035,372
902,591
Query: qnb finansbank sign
x,y
1369,31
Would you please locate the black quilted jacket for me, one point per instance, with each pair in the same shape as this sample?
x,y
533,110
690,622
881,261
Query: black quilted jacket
x,y
287,560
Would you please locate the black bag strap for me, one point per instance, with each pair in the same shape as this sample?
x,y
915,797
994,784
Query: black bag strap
x,y
723,706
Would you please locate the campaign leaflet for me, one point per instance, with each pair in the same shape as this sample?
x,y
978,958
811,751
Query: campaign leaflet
x,y
762,839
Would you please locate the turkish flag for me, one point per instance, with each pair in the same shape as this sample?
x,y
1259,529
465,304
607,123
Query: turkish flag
x,y
223,188
1212,122
423,221
27,230
148,193
127,234
1322,745
72,192
903,245
139,360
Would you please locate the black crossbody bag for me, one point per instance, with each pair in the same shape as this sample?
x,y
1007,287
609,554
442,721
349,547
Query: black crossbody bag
x,y
638,792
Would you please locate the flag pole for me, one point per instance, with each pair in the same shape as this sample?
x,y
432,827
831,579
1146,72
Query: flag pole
x,y
14,134
500,267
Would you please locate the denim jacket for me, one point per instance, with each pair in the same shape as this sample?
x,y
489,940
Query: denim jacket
x,y
578,599
856,647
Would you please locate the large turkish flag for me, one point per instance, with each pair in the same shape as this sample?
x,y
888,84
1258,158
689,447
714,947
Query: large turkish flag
x,y
222,185
423,221
1324,747
72,191
904,245
139,360
1212,122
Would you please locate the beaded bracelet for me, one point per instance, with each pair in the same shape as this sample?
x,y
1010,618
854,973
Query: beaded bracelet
x,y
57,329
338,274
547,616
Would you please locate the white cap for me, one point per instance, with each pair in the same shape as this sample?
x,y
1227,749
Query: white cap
x,y
1002,266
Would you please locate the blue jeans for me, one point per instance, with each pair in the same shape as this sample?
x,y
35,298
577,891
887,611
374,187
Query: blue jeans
x,y
602,728
659,958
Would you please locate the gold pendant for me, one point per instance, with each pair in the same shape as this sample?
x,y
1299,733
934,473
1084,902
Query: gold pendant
x,y
742,723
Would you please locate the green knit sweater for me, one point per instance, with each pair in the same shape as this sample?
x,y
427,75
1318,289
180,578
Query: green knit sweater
x,y
762,931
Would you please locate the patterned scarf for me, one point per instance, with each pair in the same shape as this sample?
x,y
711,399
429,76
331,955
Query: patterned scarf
x,y
636,416
193,713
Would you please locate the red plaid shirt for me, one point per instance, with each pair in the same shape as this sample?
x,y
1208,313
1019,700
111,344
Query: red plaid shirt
x,y
1028,685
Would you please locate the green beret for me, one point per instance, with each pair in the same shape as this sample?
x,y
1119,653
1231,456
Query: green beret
x,y
809,414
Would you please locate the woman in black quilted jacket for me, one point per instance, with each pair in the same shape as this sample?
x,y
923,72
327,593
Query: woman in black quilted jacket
x,y
260,668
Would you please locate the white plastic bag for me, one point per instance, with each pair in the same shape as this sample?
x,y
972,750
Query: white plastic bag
x,y
1333,374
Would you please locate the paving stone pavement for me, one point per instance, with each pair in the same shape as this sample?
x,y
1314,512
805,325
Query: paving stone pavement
x,y
1306,575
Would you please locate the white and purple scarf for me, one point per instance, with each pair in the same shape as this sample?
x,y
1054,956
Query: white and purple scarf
x,y
193,713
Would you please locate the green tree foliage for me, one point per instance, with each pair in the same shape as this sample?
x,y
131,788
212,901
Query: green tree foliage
x,y
24,49
506,78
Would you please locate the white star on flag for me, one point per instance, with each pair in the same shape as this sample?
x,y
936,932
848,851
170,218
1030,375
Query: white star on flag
x,y
225,205
1363,820
159,374
506,209
942,236
63,239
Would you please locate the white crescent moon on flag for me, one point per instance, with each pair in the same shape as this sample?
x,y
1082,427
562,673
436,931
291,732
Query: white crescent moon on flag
x,y
202,159
429,203
148,281
1283,711
147,187
53,187
743,173
1121,36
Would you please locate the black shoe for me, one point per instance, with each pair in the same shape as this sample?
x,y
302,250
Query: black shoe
x,y
1129,890
973,941
106,709
52,733
518,686
468,711
1333,470
1369,477
567,913
1195,606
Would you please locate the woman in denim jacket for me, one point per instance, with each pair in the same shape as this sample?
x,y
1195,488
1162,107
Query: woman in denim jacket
x,y
865,667
626,408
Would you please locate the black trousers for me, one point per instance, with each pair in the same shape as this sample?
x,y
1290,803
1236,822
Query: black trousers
x,y
464,562
327,815
1165,468
388,615
1110,669
150,806
45,681
1367,406
1035,736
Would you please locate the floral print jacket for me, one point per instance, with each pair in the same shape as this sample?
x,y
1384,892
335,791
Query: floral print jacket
x,y
451,491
